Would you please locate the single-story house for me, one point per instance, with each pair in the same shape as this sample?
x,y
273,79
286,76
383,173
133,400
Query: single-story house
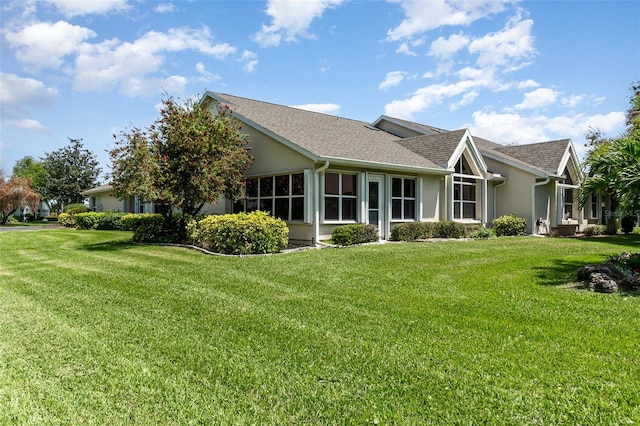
x,y
317,171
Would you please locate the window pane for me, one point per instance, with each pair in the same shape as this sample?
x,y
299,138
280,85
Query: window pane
x,y
409,209
282,185
252,187
410,188
396,209
282,208
266,205
266,186
468,193
456,210
331,208
297,208
348,209
396,187
373,217
348,184
238,206
373,195
252,204
332,183
456,191
468,210
297,184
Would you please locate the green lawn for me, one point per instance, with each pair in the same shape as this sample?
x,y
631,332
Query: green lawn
x,y
95,330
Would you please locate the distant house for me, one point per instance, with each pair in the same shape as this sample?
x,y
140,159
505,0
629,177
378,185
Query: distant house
x,y
318,171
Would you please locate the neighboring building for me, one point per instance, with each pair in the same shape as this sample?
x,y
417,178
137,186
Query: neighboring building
x,y
318,171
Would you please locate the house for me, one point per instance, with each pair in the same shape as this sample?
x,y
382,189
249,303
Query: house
x,y
318,171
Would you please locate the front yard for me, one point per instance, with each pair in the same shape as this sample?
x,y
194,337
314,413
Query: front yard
x,y
95,330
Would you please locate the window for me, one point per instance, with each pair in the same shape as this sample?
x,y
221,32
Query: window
x,y
403,199
280,195
340,196
568,203
594,206
464,191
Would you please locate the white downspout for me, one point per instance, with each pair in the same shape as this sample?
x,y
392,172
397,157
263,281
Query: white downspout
x,y
533,203
495,198
316,204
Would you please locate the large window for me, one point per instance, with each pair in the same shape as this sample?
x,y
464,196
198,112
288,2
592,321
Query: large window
x,y
568,203
281,195
340,197
403,199
464,191
594,206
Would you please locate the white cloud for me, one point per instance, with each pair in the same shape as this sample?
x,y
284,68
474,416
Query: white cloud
x,y
509,48
72,8
538,98
45,44
422,16
18,95
527,84
392,79
250,60
425,97
291,19
205,76
165,8
322,108
572,100
444,48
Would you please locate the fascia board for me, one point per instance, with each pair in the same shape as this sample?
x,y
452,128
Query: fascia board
x,y
384,166
467,142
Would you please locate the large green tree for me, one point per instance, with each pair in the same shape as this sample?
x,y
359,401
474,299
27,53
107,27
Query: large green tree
x,y
186,158
69,171
32,169
612,165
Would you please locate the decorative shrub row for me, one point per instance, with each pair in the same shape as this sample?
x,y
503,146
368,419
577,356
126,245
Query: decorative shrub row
x,y
147,228
76,208
357,233
241,233
412,231
100,221
510,225
593,230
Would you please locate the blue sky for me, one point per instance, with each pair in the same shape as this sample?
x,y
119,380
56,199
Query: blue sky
x,y
512,71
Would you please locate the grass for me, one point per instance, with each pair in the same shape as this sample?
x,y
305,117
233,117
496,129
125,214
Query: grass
x,y
96,330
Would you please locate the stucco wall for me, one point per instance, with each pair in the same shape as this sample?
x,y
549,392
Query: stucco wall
x,y
515,195
432,196
271,156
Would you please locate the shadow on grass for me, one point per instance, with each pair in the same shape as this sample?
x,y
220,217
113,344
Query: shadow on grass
x,y
615,240
565,274
108,246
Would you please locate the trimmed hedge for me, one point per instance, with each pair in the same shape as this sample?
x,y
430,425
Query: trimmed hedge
x,y
593,230
357,233
242,233
100,221
510,225
67,220
146,227
412,231
76,208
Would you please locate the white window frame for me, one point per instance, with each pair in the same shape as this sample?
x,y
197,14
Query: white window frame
x,y
402,199
357,197
275,197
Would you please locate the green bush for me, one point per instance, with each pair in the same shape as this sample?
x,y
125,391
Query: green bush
x,y
241,233
12,220
627,223
356,233
76,208
510,225
482,233
100,221
411,231
146,227
451,229
593,230
67,220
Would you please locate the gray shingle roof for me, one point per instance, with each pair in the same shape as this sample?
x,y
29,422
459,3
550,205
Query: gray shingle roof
x,y
543,155
326,136
437,147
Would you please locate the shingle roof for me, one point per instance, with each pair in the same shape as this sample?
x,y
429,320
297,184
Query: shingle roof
x,y
543,155
437,147
422,128
97,190
326,136
487,147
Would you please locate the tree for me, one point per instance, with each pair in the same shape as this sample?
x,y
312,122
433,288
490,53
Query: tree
x,y
186,158
612,165
31,169
69,171
15,192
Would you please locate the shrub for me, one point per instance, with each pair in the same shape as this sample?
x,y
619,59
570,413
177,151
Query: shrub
x,y
147,228
451,229
100,221
357,233
241,233
67,220
627,223
411,231
593,230
510,225
12,220
76,208
482,233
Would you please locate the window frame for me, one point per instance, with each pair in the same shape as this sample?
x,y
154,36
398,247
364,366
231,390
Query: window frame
x,y
292,194
341,198
403,198
461,181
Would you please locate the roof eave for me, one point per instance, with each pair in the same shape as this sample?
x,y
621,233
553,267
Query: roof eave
x,y
384,166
